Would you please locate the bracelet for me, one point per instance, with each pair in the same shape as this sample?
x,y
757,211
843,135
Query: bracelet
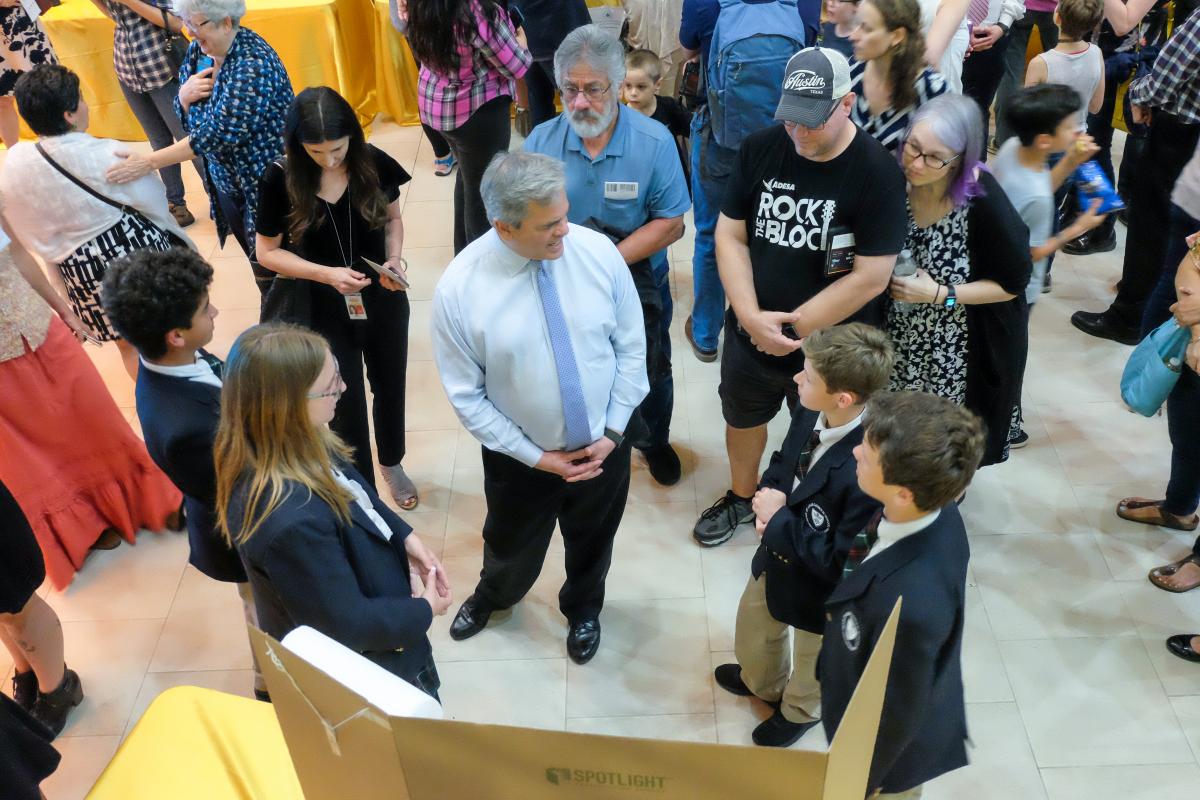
x,y
936,294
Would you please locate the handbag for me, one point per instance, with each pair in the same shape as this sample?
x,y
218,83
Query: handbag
x,y
176,45
176,239
1154,367
288,300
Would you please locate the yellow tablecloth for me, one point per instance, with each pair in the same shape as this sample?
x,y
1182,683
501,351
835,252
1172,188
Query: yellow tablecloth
x,y
395,70
198,744
321,42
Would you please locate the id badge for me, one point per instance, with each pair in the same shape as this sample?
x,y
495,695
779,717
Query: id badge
x,y
839,256
620,190
354,306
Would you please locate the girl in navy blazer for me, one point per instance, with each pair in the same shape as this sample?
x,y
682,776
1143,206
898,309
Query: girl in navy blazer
x,y
319,546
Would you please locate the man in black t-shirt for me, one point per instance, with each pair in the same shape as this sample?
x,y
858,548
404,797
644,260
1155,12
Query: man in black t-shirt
x,y
812,220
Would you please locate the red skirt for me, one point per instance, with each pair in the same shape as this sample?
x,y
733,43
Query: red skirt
x,y
69,457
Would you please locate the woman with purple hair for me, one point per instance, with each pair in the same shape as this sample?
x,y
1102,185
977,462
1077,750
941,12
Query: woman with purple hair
x,y
959,323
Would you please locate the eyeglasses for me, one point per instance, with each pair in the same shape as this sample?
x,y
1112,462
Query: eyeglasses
x,y
338,386
931,161
593,92
195,29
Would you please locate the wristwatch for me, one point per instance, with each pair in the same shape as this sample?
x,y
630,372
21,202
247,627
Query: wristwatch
x,y
951,296
613,436
1003,28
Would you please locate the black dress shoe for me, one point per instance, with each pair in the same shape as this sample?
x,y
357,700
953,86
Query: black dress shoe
x,y
775,731
1181,646
1103,326
25,689
469,620
1097,240
583,640
262,695
664,464
729,678
52,708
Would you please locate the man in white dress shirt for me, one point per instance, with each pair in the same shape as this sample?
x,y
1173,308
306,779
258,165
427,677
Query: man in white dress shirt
x,y
538,336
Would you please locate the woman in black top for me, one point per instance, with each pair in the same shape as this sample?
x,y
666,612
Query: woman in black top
x,y
332,202
960,326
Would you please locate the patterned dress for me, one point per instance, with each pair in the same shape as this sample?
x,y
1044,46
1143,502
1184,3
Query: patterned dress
x,y
931,340
24,46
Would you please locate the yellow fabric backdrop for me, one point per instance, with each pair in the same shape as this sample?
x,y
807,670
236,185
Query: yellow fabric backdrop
x,y
198,744
395,70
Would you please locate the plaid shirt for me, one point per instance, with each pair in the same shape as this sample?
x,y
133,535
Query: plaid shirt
x,y
139,48
488,65
239,128
1173,84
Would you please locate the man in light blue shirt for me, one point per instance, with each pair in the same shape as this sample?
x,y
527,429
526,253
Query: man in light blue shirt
x,y
538,337
623,177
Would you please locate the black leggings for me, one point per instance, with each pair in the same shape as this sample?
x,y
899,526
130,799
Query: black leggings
x,y
540,82
441,148
474,144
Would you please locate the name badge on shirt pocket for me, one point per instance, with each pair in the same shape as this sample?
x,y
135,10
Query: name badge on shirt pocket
x,y
620,190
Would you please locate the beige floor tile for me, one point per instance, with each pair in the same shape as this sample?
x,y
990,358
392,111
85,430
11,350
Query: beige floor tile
x,y
984,678
1160,614
1104,443
429,461
425,267
83,759
1002,765
427,223
726,570
1038,586
1130,549
529,693
419,346
205,629
672,727
426,406
239,682
654,556
111,657
233,284
644,489
1121,783
1187,710
130,582
229,326
1093,702
647,662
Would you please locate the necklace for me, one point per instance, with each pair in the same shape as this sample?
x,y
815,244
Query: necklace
x,y
349,227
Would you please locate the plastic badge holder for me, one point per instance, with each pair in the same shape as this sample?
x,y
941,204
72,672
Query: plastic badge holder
x,y
1093,184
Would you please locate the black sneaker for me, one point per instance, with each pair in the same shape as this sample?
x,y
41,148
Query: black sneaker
x,y
663,463
1018,441
729,678
776,731
718,522
53,708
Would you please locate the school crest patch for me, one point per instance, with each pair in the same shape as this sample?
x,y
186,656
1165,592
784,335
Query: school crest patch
x,y
851,631
816,518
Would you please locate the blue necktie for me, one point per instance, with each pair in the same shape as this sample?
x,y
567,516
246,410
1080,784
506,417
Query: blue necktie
x,y
579,432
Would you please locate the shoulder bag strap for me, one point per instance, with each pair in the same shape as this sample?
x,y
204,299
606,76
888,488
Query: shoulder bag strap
x,y
124,208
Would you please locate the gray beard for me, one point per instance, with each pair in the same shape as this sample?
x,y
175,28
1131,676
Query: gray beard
x,y
586,128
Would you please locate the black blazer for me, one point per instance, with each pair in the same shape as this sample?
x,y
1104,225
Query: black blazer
x,y
306,567
923,728
179,422
804,546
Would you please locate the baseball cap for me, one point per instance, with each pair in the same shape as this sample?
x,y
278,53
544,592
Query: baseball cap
x,y
814,81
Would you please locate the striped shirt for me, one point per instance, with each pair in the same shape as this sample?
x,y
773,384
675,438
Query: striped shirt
x,y
888,128
488,65
1173,84
139,48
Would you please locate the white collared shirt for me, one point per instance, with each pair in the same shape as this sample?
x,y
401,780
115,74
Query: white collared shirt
x,y
892,532
364,502
829,437
493,350
199,371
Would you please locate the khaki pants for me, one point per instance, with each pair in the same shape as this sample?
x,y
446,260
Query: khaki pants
x,y
768,669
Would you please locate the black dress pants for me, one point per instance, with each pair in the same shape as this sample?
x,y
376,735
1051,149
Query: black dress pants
x,y
981,78
1170,145
474,144
381,343
523,505
539,80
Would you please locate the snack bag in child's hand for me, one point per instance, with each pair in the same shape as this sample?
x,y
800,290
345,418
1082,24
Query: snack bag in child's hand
x,y
1092,184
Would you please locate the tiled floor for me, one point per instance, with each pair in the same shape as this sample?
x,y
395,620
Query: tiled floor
x,y
1070,691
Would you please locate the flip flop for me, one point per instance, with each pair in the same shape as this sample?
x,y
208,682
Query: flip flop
x,y
1158,573
1162,518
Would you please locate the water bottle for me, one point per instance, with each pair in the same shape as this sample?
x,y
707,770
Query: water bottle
x,y
906,267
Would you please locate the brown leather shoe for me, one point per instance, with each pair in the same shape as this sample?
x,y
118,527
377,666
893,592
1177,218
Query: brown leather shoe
x,y
181,214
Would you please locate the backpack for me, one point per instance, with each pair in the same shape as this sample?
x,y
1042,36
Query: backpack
x,y
751,45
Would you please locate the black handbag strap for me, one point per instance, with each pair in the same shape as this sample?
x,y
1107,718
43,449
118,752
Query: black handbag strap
x,y
124,208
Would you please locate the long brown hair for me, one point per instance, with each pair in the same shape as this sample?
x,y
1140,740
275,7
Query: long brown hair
x,y
319,114
266,438
908,57
435,27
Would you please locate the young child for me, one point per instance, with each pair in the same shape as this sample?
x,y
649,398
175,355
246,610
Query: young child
x,y
918,454
808,510
1074,62
159,303
839,21
1043,117
643,79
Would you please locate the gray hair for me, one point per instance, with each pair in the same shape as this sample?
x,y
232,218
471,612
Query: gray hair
x,y
956,121
216,10
514,180
594,46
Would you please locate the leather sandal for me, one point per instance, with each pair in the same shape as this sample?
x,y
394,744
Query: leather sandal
x,y
1157,574
1153,514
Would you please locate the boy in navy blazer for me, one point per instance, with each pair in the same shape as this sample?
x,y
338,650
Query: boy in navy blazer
x,y
918,455
159,303
808,509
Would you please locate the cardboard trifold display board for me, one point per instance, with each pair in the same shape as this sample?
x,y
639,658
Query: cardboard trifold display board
x,y
344,747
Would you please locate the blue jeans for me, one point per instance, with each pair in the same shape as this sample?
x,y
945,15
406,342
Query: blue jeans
x,y
710,169
155,112
660,402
